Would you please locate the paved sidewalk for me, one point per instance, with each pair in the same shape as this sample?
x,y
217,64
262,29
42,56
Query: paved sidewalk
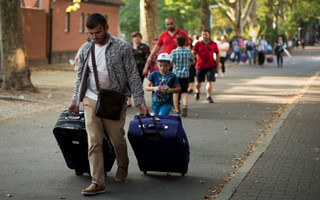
x,y
290,167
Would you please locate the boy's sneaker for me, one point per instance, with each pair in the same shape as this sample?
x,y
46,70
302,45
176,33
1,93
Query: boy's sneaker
x,y
196,96
175,113
93,189
209,100
184,111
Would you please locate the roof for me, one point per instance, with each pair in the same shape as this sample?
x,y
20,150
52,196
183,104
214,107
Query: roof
x,y
106,2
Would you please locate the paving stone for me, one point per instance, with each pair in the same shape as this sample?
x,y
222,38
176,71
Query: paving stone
x,y
289,168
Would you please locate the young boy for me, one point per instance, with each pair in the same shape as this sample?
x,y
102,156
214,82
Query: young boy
x,y
162,83
182,59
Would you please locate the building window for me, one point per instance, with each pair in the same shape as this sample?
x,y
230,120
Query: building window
x,y
86,29
67,23
82,21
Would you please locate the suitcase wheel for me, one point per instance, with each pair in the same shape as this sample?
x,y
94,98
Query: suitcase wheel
x,y
78,173
182,174
145,172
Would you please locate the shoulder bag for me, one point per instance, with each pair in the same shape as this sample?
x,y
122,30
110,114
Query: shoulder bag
x,y
110,102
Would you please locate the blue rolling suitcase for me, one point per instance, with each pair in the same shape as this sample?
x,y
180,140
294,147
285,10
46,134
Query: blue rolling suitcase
x,y
71,135
160,144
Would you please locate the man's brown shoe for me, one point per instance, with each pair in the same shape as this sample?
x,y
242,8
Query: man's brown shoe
x,y
121,174
93,189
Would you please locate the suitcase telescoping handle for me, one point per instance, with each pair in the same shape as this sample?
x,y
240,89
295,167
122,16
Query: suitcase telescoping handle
x,y
74,117
153,135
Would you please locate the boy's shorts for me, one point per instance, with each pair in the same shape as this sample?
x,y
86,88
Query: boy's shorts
x,y
184,84
161,109
210,72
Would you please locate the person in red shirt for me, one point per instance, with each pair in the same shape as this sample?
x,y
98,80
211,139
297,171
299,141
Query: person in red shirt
x,y
166,41
206,65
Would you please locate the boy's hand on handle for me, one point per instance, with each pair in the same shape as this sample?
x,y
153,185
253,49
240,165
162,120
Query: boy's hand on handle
x,y
73,109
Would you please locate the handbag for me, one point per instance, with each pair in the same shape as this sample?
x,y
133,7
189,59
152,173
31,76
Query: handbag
x,y
232,55
110,102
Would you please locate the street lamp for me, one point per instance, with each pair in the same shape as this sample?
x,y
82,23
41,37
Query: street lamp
x,y
210,8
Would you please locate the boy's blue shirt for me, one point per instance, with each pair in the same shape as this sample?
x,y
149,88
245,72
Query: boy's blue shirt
x,y
169,80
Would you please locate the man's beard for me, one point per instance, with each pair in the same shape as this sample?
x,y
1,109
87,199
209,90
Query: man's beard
x,y
171,29
103,39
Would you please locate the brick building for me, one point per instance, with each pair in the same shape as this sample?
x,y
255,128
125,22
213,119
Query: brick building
x,y
53,36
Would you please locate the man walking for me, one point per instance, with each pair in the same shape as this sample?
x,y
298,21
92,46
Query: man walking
x,y
262,50
206,65
114,60
166,41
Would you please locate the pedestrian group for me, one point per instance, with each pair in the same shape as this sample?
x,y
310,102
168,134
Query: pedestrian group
x,y
171,66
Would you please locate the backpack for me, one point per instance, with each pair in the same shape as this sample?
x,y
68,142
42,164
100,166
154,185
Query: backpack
x,y
235,46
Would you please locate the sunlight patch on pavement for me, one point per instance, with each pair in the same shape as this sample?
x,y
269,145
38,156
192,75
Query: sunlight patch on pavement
x,y
265,89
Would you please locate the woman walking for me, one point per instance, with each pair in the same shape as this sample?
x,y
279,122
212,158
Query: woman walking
x,y
141,53
223,48
278,49
250,47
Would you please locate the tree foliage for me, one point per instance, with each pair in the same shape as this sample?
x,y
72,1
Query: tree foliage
x,y
129,19
284,17
270,17
185,12
238,12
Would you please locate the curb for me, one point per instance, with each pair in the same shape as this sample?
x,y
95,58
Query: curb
x,y
9,98
231,187
53,67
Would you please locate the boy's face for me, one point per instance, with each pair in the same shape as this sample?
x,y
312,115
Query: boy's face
x,y
163,67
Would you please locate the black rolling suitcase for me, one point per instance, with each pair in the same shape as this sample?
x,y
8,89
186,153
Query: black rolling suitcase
x,y
71,135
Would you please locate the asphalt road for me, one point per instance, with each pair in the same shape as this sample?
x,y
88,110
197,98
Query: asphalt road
x,y
247,101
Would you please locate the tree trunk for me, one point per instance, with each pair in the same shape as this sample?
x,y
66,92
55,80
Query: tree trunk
x,y
238,12
270,31
269,16
148,20
205,14
15,71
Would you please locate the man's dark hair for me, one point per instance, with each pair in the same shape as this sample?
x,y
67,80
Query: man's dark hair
x,y
94,20
206,30
181,41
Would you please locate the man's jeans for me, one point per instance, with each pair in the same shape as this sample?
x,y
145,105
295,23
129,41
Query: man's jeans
x,y
95,129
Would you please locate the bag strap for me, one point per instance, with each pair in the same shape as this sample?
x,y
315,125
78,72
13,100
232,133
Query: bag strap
x,y
209,50
94,66
206,46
